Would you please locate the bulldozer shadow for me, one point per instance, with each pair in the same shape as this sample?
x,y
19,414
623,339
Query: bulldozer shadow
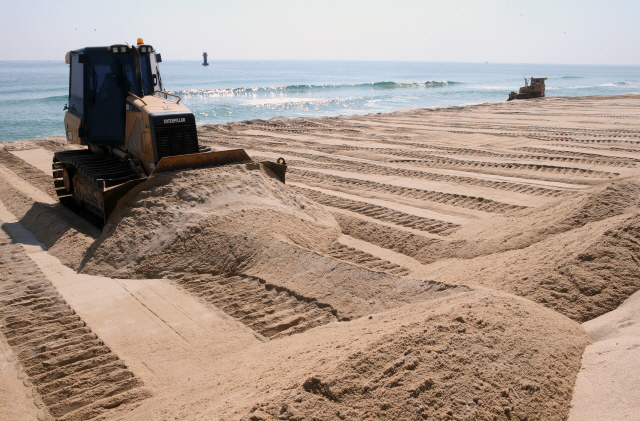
x,y
55,229
17,234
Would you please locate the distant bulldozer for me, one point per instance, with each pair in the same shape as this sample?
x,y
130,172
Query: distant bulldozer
x,y
533,90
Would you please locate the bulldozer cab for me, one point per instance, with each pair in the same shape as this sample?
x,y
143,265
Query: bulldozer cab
x,y
101,78
535,88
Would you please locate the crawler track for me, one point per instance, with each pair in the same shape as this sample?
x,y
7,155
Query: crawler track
x,y
82,212
101,169
83,175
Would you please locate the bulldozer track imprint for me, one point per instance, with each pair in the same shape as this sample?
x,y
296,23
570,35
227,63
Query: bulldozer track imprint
x,y
597,159
352,255
267,309
74,375
325,162
28,172
416,174
349,184
434,152
431,226
481,165
585,159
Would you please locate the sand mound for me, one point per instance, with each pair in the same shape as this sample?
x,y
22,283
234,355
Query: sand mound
x,y
581,273
455,358
244,241
227,212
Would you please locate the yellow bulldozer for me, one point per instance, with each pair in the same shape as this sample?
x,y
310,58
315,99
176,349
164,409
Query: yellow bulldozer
x,y
131,127
533,90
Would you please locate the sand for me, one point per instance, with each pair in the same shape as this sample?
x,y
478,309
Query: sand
x,y
604,387
448,263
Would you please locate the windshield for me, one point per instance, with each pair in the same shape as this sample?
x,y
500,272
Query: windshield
x,y
128,62
147,80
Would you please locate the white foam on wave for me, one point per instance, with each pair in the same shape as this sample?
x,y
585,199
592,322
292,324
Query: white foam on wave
x,y
495,87
282,100
555,88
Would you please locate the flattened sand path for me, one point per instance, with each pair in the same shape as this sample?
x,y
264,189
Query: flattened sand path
x,y
607,385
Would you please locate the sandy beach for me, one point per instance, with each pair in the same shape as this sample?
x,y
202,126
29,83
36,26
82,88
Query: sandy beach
x,y
461,263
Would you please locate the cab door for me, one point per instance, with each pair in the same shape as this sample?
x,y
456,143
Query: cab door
x,y
105,96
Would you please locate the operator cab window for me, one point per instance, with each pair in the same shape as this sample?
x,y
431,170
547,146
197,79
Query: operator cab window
x,y
76,86
147,80
129,67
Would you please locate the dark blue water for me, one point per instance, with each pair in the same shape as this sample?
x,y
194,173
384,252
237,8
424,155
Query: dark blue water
x,y
33,94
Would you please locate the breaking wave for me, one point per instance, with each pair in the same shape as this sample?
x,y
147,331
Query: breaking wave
x,y
318,88
616,84
41,100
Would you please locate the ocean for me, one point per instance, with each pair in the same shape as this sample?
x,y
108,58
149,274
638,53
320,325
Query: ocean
x,y
34,93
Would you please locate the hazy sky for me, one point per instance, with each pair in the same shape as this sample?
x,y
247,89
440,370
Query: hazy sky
x,y
540,31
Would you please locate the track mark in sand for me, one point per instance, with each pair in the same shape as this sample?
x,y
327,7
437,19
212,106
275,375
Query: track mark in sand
x,y
367,168
156,315
28,172
350,184
269,310
75,376
432,226
449,163
327,162
436,152
569,139
598,159
352,255
312,160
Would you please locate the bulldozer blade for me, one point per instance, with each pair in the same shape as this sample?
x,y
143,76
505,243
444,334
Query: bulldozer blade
x,y
278,169
110,196
200,160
